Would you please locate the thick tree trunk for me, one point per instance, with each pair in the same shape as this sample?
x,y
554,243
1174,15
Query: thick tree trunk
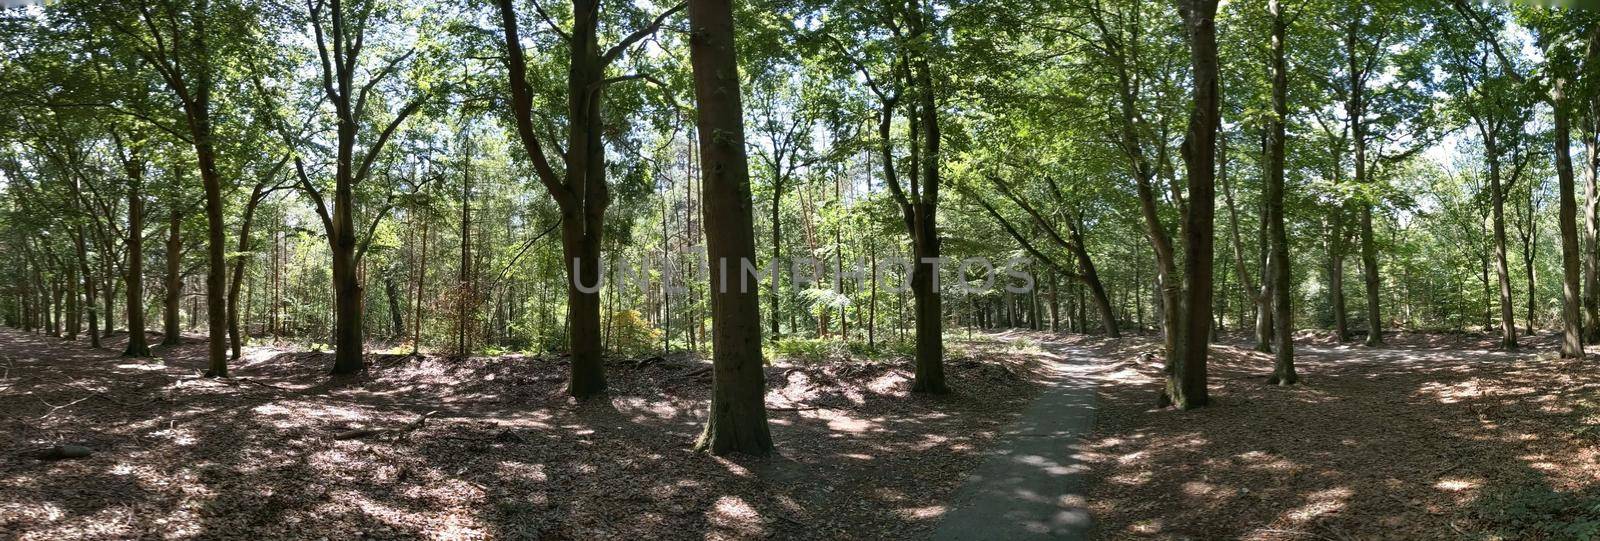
x,y
929,373
171,325
74,317
1369,274
1571,313
738,418
582,253
347,327
581,190
1187,384
1279,263
138,345
216,252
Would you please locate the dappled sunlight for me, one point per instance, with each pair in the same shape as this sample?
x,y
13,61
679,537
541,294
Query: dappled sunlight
x,y
1318,504
504,452
1401,441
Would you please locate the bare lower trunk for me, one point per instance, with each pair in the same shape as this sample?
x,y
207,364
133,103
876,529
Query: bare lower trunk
x,y
1341,326
171,325
138,346
1591,215
1279,266
237,282
1571,313
1187,384
1508,324
1369,273
738,418
582,252
216,272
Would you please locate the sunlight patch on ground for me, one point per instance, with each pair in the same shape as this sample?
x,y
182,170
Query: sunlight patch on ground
x,y
1320,503
923,513
732,516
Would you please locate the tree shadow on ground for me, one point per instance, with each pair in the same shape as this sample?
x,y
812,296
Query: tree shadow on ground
x,y
1398,442
504,454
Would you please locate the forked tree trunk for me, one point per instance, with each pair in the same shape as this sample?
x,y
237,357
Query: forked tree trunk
x,y
738,418
580,190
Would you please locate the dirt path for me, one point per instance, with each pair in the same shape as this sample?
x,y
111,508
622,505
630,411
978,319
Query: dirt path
x,y
1031,486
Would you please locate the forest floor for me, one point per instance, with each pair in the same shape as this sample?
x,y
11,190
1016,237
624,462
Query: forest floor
x,y
282,450
1430,437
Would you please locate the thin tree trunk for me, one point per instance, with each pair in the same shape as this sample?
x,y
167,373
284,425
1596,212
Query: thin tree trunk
x,y
1279,263
237,281
1591,214
171,325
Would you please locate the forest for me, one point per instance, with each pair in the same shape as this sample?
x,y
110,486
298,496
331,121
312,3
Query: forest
x,y
716,269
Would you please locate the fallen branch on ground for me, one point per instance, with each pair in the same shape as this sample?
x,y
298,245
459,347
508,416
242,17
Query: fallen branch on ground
x,y
795,408
399,433
59,452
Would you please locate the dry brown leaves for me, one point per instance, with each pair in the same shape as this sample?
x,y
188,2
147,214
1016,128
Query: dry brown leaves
x,y
1392,443
507,455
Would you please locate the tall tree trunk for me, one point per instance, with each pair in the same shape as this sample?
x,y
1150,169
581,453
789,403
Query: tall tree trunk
x,y
777,249
88,288
1341,326
1279,264
738,418
929,374
239,262
1355,111
1187,385
1591,215
1571,303
581,190
73,315
1260,298
1508,323
138,344
171,325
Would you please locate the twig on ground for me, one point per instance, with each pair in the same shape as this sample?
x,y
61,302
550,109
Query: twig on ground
x,y
400,432
54,409
794,408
